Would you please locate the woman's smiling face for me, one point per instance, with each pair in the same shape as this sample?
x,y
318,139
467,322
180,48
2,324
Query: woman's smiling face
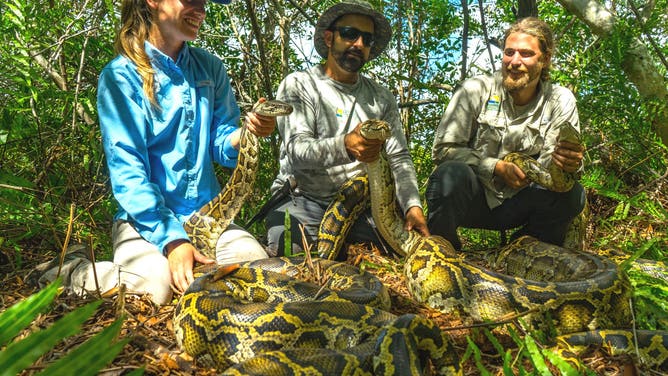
x,y
175,22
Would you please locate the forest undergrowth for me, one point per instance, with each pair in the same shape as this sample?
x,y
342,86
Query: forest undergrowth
x,y
634,225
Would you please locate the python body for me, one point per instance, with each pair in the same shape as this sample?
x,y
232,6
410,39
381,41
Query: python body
x,y
205,227
578,291
259,319
552,177
437,276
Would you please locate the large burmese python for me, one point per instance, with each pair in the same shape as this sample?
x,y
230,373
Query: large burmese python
x,y
574,292
258,318
206,225
586,293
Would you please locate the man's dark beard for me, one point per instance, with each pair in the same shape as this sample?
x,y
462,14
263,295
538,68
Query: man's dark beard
x,y
350,60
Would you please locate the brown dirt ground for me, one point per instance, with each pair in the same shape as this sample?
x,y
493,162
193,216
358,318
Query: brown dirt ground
x,y
153,346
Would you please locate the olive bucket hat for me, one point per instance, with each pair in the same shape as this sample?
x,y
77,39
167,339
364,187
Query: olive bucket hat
x,y
382,30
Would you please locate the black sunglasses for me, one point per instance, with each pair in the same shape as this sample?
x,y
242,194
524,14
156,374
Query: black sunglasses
x,y
352,34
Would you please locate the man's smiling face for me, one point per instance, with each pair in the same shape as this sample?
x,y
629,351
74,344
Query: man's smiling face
x,y
523,62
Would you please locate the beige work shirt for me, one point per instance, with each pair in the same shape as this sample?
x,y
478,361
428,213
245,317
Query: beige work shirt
x,y
481,125
313,148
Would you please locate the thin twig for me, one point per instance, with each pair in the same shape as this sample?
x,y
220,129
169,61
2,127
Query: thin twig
x,y
92,260
483,24
635,333
465,37
300,9
494,323
262,51
68,234
375,231
652,42
22,189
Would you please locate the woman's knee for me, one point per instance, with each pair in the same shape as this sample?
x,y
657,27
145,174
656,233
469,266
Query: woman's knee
x,y
238,245
148,273
159,284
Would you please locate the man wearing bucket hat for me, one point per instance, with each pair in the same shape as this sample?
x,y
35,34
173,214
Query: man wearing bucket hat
x,y
321,143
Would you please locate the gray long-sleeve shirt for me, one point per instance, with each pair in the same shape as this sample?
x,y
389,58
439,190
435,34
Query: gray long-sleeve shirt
x,y
312,148
481,125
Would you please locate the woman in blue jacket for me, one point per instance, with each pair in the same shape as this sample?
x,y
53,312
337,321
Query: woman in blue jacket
x,y
167,113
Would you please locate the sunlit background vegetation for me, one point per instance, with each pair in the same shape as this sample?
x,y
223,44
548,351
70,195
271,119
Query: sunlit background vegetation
x,y
53,177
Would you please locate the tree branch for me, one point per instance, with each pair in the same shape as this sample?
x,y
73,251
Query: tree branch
x,y
465,38
483,24
262,51
419,102
637,62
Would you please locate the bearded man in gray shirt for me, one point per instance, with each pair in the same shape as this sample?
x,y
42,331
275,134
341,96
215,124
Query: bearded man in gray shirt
x,y
515,110
322,146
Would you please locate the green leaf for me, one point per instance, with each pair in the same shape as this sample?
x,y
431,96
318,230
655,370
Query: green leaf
x,y
508,363
536,357
516,338
565,368
467,353
521,372
21,314
19,355
91,356
477,357
18,19
494,341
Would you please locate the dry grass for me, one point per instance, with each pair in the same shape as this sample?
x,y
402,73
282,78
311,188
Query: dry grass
x,y
153,346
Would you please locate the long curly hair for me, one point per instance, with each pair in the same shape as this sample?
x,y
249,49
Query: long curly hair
x,y
542,31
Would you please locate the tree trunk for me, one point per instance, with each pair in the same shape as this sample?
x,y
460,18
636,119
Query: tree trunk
x,y
526,8
465,39
638,64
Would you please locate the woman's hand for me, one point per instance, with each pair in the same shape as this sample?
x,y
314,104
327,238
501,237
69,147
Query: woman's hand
x,y
182,256
260,125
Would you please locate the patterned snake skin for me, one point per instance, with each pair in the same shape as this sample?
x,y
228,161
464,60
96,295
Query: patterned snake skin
x,y
261,318
575,292
207,225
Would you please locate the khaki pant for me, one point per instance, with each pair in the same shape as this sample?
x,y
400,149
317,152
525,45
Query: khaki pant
x,y
141,267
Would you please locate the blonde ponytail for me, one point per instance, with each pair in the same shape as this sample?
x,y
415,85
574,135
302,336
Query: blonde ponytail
x,y
136,20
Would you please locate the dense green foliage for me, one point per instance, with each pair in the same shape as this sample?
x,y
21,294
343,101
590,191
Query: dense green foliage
x,y
53,178
86,359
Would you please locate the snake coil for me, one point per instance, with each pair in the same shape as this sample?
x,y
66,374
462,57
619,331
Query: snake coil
x,y
577,292
259,318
